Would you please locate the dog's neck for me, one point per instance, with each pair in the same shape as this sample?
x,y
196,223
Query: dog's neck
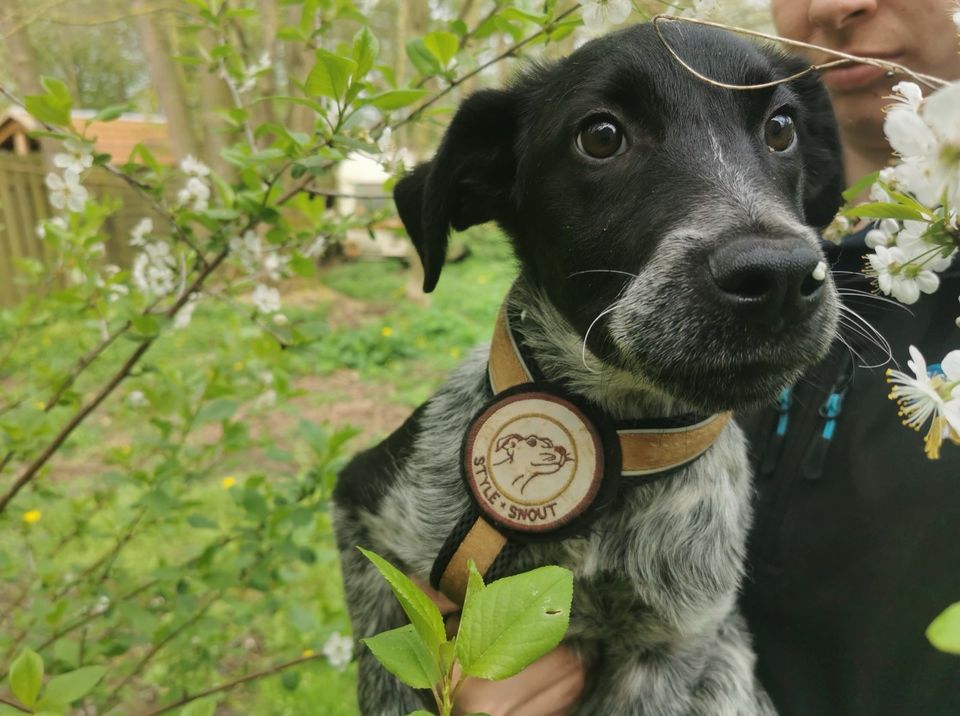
x,y
560,353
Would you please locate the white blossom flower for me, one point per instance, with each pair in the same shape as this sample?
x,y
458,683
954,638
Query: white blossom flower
x,y
921,252
884,235
895,278
139,232
338,650
196,194
155,270
77,158
101,605
929,394
928,142
136,399
57,222
838,228
194,167
66,192
185,314
266,298
275,265
597,13
317,248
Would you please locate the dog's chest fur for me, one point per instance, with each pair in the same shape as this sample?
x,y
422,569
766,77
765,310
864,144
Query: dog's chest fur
x,y
656,573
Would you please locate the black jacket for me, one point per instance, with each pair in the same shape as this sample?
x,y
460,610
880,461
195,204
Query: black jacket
x,y
856,540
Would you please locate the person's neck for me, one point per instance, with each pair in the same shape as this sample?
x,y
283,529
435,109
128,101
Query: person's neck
x,y
863,154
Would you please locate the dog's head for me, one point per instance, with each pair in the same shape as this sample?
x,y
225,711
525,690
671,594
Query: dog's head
x,y
676,211
533,454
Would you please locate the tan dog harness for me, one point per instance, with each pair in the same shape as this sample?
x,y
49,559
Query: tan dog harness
x,y
535,459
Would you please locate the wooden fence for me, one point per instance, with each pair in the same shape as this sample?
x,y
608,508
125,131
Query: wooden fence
x,y
23,204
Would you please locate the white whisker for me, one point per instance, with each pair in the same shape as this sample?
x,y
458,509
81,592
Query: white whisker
x,y
583,352
625,273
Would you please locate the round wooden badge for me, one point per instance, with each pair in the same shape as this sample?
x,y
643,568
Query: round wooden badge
x,y
533,461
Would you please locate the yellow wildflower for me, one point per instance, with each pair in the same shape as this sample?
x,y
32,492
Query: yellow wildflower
x,y
308,652
386,331
31,517
228,482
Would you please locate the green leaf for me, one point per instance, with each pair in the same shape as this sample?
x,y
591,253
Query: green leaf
x,y
108,114
47,109
216,410
944,631
48,705
403,653
26,676
859,186
514,621
56,89
418,712
884,210
422,58
10,711
395,99
366,47
330,77
201,522
200,707
442,45
422,612
67,688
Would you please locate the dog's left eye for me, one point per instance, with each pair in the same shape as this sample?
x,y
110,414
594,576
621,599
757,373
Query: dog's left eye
x,y
780,132
601,139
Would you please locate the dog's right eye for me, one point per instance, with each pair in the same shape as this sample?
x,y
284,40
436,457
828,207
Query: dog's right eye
x,y
601,139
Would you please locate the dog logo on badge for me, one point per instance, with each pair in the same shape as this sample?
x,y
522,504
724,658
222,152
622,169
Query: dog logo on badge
x,y
533,461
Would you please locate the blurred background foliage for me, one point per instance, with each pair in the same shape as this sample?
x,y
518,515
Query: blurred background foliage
x,y
165,463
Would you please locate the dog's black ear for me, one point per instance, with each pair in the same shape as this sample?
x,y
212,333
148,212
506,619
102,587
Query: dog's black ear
x,y
820,147
468,182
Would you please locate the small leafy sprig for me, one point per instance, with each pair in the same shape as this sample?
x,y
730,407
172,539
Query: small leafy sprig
x,y
26,683
505,626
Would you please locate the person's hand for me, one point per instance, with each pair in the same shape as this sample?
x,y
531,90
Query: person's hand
x,y
550,686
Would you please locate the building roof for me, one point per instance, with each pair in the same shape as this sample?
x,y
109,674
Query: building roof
x,y
117,138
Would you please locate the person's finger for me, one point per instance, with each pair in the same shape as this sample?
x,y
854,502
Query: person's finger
x,y
550,686
445,605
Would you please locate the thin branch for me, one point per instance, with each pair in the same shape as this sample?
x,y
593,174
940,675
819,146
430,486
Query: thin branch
x,y
110,19
846,58
342,195
14,704
31,470
231,684
155,648
509,52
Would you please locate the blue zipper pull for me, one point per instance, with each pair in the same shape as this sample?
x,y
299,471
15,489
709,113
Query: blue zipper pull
x,y
771,453
813,460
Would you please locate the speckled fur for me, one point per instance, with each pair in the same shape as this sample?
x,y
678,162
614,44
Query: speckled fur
x,y
656,576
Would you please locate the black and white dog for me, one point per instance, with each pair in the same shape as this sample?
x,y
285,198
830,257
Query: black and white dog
x,y
667,267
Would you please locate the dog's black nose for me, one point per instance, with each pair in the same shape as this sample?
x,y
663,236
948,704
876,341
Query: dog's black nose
x,y
767,280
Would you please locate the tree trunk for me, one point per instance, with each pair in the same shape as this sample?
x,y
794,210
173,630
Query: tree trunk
x,y
166,81
215,96
22,60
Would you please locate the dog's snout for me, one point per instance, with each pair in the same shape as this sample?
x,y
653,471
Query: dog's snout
x,y
767,280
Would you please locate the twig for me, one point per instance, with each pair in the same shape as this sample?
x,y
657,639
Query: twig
x,y
342,195
480,68
14,704
31,470
231,684
152,652
846,58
